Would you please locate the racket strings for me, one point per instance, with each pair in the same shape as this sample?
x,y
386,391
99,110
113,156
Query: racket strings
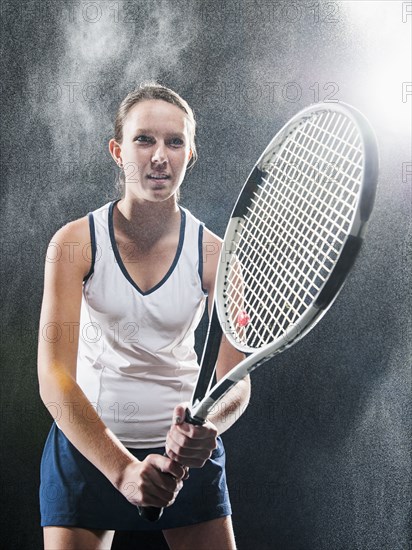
x,y
331,155
295,227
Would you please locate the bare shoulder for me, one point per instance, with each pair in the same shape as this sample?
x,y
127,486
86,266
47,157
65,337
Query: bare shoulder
x,y
77,228
71,244
211,253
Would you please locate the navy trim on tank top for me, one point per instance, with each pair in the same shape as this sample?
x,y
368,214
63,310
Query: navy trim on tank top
x,y
93,241
200,245
120,261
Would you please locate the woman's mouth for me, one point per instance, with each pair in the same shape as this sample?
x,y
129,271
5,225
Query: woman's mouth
x,y
161,178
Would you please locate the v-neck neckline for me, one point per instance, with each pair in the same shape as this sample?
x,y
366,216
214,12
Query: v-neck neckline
x,y
120,261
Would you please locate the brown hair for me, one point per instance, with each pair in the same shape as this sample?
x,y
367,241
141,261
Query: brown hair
x,y
151,90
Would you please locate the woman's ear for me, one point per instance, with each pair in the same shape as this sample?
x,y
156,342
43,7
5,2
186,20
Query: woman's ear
x,y
190,154
115,151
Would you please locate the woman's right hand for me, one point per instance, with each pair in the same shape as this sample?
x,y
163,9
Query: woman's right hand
x,y
155,481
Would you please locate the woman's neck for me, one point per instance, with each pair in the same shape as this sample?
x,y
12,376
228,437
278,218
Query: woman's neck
x,y
147,220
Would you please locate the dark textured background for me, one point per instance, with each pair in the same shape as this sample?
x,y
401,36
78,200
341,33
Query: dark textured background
x,y
321,459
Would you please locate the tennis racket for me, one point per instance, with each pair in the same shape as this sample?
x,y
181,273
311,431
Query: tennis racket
x,y
291,240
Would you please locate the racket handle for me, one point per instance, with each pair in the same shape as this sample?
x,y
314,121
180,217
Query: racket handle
x,y
151,513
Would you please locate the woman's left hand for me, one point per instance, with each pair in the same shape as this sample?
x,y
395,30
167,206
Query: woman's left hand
x,y
187,444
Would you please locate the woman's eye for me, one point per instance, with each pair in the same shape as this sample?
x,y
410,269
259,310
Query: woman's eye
x,y
176,142
144,139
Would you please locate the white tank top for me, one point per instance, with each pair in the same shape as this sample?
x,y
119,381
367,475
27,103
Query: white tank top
x,y
136,358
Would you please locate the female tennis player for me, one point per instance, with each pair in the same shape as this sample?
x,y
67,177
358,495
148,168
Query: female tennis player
x,y
125,288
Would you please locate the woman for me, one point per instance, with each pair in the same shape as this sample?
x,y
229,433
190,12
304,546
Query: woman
x,y
116,361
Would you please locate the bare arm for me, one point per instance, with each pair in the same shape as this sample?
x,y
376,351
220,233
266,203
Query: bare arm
x,y
57,360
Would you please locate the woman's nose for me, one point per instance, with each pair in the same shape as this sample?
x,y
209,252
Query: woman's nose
x,y
159,155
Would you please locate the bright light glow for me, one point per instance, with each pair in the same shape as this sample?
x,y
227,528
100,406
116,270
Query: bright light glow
x,y
385,30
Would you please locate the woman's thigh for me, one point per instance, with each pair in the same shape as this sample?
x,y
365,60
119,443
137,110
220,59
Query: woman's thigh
x,y
74,538
216,533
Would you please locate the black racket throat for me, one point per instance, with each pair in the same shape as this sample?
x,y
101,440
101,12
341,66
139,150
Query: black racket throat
x,y
209,358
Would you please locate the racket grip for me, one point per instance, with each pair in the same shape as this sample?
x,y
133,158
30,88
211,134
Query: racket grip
x,y
151,513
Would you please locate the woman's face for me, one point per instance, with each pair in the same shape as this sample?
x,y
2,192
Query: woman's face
x,y
155,149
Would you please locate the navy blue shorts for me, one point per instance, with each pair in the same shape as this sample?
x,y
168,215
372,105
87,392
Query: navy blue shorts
x,y
75,493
